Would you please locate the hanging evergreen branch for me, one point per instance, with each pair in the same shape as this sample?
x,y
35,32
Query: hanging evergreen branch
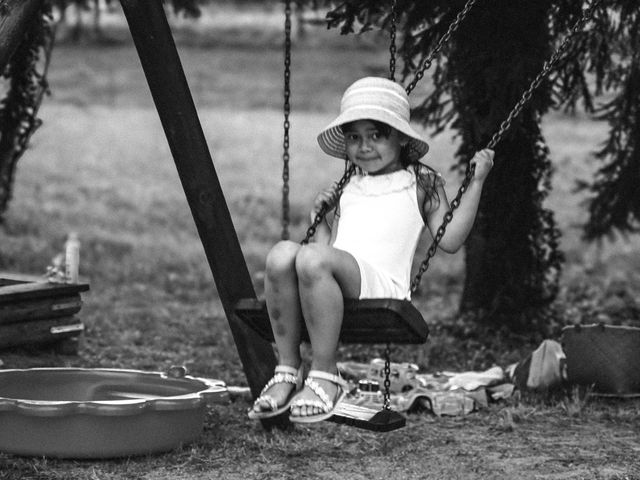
x,y
606,60
19,107
360,15
614,55
616,201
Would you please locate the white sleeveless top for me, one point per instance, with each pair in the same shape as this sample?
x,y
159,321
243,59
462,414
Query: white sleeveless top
x,y
380,225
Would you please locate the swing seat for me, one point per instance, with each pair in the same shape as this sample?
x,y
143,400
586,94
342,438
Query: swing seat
x,y
368,418
378,320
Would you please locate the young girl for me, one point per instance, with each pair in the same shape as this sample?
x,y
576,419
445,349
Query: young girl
x,y
368,250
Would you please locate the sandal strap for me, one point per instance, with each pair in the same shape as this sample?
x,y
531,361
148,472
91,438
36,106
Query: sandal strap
x,y
337,379
324,402
266,399
283,374
286,369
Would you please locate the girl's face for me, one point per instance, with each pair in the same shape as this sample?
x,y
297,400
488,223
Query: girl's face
x,y
368,148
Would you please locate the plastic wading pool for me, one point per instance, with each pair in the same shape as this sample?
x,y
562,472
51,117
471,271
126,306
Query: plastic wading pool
x,y
101,413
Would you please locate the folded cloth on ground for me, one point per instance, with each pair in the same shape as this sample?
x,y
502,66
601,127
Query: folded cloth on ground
x,y
473,380
543,369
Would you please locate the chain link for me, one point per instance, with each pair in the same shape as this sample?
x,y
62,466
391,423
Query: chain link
x,y
287,110
392,43
386,404
426,64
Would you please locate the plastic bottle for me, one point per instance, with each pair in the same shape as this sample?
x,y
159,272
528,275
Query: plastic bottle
x,y
72,258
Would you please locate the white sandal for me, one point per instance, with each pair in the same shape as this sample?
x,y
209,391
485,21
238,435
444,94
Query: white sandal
x,y
324,403
283,374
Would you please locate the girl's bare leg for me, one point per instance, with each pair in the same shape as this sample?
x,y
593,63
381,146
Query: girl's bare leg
x,y
325,277
283,304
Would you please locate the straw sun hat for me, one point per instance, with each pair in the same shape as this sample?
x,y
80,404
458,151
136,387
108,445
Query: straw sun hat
x,y
372,98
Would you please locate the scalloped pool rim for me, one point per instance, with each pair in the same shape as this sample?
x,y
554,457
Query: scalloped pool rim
x,y
212,391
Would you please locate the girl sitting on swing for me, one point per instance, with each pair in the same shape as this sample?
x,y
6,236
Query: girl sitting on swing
x,y
368,250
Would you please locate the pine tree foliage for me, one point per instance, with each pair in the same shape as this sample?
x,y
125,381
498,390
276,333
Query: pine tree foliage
x,y
26,77
616,204
610,53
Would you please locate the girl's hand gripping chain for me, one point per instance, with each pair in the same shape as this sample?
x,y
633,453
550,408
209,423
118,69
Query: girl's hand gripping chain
x,y
327,197
483,162
462,222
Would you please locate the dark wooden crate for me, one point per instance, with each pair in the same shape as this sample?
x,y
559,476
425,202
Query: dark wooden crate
x,y
35,311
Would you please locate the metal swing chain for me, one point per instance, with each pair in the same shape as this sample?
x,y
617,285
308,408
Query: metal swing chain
x,y
426,64
504,126
392,43
386,403
287,109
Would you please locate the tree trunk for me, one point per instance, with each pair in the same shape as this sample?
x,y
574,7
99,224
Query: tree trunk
x,y
493,66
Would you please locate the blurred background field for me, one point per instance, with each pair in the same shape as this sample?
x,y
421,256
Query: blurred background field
x,y
100,166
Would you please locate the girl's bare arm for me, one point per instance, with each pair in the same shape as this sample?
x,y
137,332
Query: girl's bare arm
x,y
464,216
325,234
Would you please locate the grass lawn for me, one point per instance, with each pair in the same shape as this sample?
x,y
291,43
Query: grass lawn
x,y
100,166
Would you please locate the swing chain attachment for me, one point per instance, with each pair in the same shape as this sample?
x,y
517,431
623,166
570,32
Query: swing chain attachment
x,y
386,404
287,110
392,43
426,63
546,68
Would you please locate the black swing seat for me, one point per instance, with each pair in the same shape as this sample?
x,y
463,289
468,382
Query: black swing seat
x,y
380,320
377,320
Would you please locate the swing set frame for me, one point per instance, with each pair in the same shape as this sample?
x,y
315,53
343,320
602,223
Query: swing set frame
x,y
370,321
